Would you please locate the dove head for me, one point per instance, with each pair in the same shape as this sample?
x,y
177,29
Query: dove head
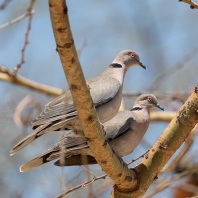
x,y
147,101
128,58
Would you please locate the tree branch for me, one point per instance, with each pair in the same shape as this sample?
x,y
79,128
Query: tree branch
x,y
20,80
191,3
16,19
26,42
172,95
123,177
96,178
156,116
170,140
4,4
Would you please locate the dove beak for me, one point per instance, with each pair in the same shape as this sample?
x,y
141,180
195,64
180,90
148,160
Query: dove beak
x,y
158,106
141,64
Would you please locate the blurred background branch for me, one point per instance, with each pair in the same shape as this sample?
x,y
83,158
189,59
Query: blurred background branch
x,y
5,75
4,4
16,19
26,41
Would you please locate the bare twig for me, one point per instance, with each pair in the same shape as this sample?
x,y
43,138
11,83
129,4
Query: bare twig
x,y
18,119
20,80
62,180
191,3
95,178
172,96
80,49
4,4
88,171
16,20
163,184
26,38
75,177
81,185
172,69
141,156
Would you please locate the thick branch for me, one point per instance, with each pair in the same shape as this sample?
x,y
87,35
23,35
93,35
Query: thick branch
x,y
170,140
191,3
110,163
161,116
19,80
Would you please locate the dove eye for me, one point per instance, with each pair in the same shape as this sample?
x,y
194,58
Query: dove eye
x,y
149,99
133,55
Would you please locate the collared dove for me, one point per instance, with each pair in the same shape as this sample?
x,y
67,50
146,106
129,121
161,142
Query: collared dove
x,y
124,132
106,93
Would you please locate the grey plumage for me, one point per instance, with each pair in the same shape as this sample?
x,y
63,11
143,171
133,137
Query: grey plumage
x,y
124,132
105,90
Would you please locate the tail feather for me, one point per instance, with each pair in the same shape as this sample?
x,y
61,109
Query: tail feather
x,y
42,159
30,138
27,140
41,130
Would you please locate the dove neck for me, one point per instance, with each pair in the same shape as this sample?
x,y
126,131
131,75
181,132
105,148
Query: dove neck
x,y
115,65
136,109
117,71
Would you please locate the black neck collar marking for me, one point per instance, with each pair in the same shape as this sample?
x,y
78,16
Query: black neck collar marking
x,y
136,109
115,65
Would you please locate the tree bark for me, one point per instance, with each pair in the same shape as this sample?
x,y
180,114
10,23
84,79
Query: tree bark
x,y
123,177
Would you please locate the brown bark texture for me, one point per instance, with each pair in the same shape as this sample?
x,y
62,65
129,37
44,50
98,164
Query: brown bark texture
x,y
123,177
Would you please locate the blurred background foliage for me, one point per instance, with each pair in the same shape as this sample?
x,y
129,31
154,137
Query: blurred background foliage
x,y
164,33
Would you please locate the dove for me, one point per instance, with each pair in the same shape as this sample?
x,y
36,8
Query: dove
x,y
106,93
124,132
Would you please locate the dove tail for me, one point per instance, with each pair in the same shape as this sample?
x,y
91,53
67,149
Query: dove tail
x,y
30,138
42,159
41,130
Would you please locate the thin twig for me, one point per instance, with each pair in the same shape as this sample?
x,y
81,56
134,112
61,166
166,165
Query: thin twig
x,y
75,177
25,120
26,38
80,49
169,71
16,20
141,156
161,185
95,178
4,4
172,95
82,185
191,3
88,171
62,180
